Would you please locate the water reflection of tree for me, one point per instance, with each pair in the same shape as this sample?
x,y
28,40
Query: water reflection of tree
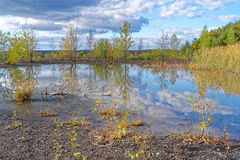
x,y
212,80
70,78
116,75
217,80
201,104
53,69
20,77
167,74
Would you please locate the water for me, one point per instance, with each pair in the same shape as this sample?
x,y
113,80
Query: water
x,y
162,92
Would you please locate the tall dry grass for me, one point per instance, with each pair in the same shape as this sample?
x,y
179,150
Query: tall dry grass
x,y
24,91
225,58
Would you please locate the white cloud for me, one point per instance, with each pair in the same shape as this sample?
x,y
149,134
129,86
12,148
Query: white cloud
x,y
229,18
214,4
191,8
101,17
180,8
184,33
13,23
109,15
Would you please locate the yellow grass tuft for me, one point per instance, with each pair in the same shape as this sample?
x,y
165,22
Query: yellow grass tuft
x,y
24,91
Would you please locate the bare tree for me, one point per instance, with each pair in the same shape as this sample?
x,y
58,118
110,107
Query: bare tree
x,y
52,44
4,41
163,42
140,46
4,44
174,42
70,41
90,41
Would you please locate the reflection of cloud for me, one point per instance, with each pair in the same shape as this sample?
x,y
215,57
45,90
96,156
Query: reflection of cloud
x,y
45,74
178,102
1,79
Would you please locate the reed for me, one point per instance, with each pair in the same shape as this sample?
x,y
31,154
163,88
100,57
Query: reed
x,y
225,58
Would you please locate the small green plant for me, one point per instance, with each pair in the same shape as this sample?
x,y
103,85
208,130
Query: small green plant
x,y
77,155
135,155
57,135
201,106
72,126
73,137
15,123
122,125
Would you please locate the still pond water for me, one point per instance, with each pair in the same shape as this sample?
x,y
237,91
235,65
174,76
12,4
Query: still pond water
x,y
161,92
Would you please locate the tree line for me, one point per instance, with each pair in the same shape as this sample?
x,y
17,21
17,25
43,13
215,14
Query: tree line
x,y
222,36
21,46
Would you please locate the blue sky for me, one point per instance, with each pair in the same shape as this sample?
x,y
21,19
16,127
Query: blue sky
x,y
185,18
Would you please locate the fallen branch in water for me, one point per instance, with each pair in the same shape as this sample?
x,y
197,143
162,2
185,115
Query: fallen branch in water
x,y
58,94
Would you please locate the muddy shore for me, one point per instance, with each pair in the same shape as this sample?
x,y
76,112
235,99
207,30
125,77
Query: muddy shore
x,y
34,140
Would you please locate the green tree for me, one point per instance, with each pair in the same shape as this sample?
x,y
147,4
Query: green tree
x,y
231,36
222,36
22,45
126,39
117,51
187,50
101,48
205,39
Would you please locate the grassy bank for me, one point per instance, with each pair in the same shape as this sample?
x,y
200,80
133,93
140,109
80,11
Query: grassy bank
x,y
224,58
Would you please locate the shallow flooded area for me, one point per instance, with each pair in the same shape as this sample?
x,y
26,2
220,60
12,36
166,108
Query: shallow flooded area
x,y
164,96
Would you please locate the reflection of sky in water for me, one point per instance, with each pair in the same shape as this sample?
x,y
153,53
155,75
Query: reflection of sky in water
x,y
164,95
174,99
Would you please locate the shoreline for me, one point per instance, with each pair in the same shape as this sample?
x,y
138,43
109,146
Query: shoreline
x,y
96,61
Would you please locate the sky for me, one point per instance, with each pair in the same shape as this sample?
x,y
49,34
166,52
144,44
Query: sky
x,y
148,18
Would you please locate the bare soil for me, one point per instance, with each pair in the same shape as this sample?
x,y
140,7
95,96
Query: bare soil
x,y
33,140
